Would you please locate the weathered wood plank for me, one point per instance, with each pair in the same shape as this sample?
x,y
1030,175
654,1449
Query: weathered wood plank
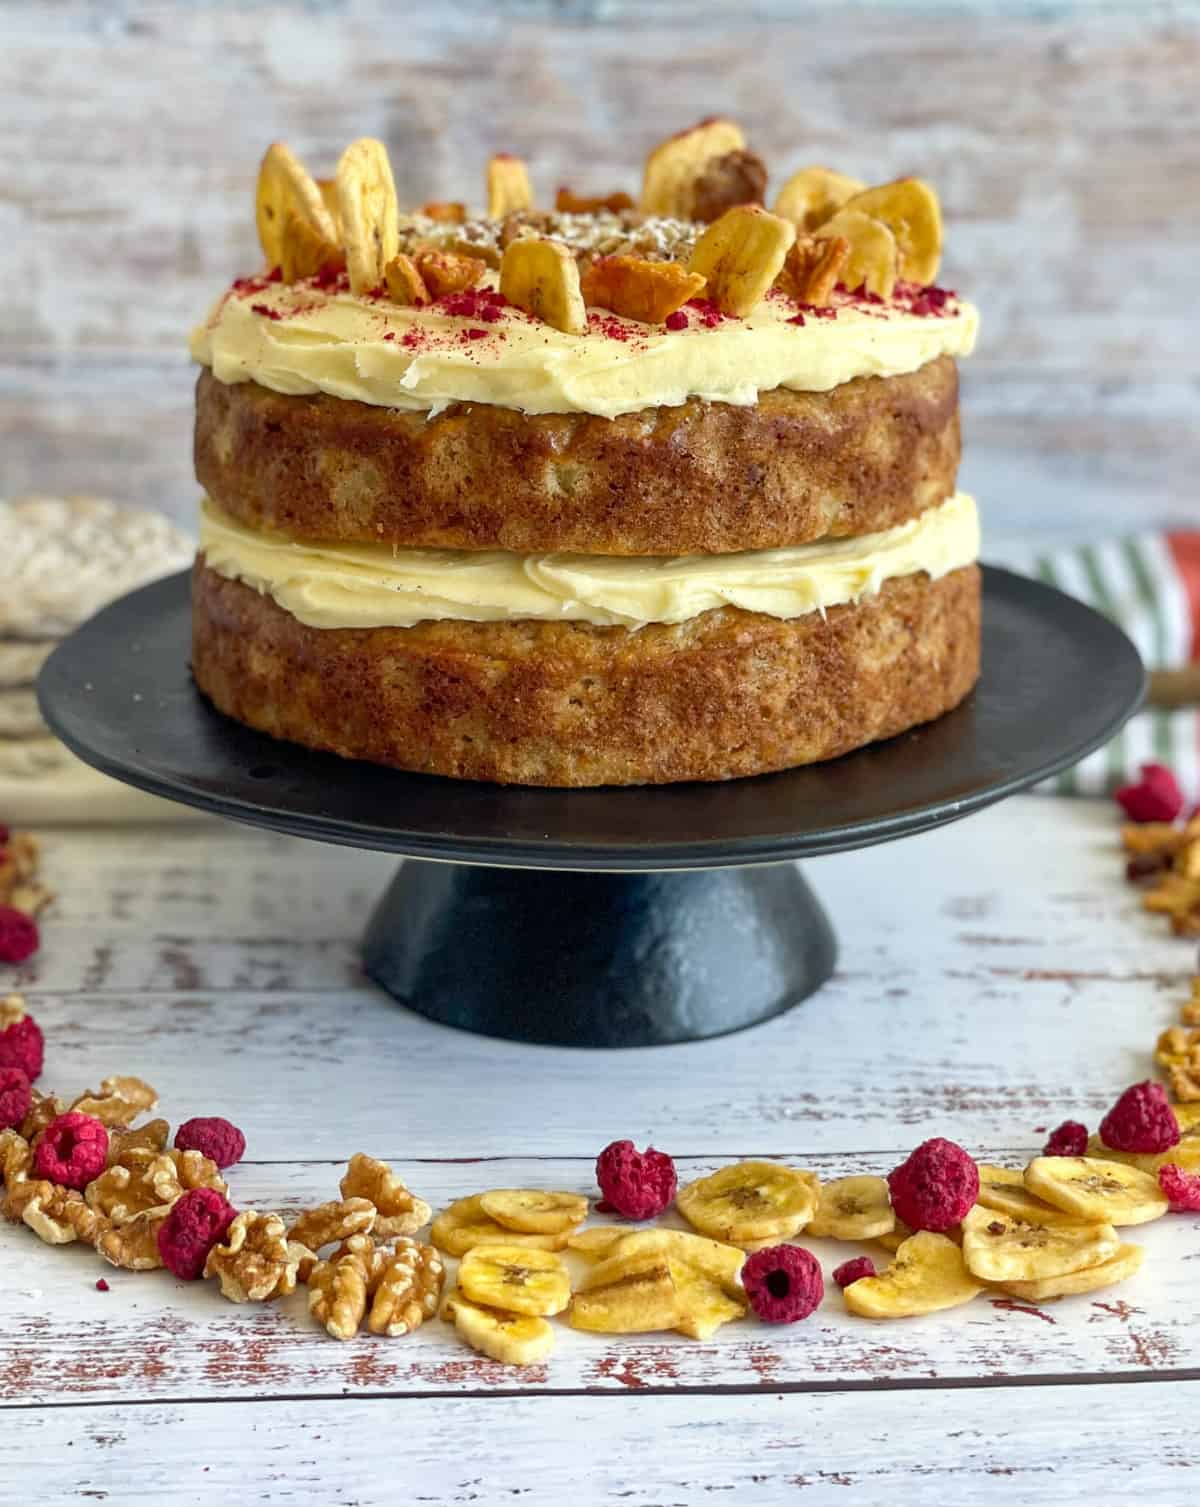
x,y
993,1005
1030,1445
151,1338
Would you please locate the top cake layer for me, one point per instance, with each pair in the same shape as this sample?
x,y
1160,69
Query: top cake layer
x,y
472,347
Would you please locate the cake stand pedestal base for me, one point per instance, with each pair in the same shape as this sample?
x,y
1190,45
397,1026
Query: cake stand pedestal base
x,y
601,960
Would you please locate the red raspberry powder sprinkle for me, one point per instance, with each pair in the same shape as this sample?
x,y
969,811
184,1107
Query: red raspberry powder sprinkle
x,y
1141,1120
783,1283
213,1137
1069,1139
638,1184
1156,797
73,1150
22,1045
1182,1188
19,937
936,1187
15,1097
198,1221
853,1271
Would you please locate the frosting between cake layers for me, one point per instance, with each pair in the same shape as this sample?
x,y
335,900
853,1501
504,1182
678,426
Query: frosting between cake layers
x,y
373,586
303,338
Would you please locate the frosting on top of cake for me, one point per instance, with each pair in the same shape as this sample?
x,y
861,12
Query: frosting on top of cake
x,y
374,586
315,336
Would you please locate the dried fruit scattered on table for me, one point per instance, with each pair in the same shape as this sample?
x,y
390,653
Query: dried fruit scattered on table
x,y
256,1261
199,1220
333,1221
935,1187
134,1246
853,1271
853,1208
21,1042
397,1210
1182,1189
1003,1189
72,1151
1124,1263
407,1288
338,1294
814,195
518,1339
741,255
117,1102
718,1262
213,1137
55,1214
1109,1192
1155,797
19,936
750,1201
16,1095
1141,1120
998,1248
631,1293
535,1211
638,1184
927,1274
783,1283
1068,1139
516,1278
463,1224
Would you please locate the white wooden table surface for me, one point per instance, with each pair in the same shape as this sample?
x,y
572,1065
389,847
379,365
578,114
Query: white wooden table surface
x,y
996,977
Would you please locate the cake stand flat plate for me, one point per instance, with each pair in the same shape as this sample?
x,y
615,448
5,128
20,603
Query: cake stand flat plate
x,y
1058,681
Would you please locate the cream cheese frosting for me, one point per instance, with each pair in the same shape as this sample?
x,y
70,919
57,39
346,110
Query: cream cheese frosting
x,y
373,586
312,338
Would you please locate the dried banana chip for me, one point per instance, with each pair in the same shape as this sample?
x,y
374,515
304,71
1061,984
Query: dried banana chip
x,y
1108,1192
928,1274
675,165
508,187
704,1307
720,1263
1185,1154
305,251
1000,1248
1105,1274
874,261
741,255
327,187
464,1224
369,212
633,1294
853,1208
542,278
750,1201
910,210
1003,1189
284,187
518,1339
534,1211
814,195
515,1278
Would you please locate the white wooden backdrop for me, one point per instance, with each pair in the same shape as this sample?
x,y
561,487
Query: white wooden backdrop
x,y
995,977
1063,137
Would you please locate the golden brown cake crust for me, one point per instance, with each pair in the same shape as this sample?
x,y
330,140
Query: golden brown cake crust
x,y
725,694
701,478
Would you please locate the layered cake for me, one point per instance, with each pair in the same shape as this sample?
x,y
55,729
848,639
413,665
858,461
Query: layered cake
x,y
601,495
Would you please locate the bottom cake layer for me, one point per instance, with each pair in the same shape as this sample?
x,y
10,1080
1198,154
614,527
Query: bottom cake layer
x,y
725,694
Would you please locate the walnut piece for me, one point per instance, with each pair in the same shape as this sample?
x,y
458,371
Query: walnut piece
x,y
16,1158
337,1294
330,1222
408,1289
143,1178
398,1212
152,1137
738,177
56,1215
134,1245
256,1261
43,1109
118,1102
811,269
1184,1083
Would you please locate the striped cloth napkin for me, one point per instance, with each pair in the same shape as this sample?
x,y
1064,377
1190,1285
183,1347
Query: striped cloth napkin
x,y
1150,585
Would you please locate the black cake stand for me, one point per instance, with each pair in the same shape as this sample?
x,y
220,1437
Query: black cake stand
x,y
614,917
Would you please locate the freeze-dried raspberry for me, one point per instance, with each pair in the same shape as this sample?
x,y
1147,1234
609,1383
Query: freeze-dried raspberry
x,y
102,1285
1156,797
73,1150
783,1283
1070,1139
936,1187
22,1045
18,935
198,1221
852,1271
1141,1120
1182,1188
638,1184
15,1096
213,1137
